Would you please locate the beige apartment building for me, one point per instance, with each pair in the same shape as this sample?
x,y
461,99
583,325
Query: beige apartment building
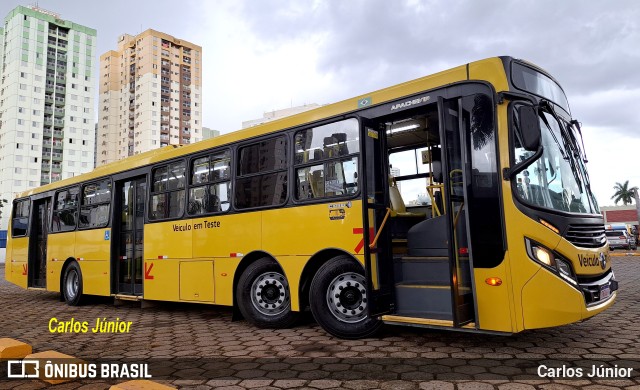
x,y
150,95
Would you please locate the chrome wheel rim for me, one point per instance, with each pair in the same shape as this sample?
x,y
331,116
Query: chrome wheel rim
x,y
270,293
347,297
72,284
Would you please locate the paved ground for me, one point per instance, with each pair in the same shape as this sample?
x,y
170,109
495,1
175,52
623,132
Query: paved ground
x,y
189,345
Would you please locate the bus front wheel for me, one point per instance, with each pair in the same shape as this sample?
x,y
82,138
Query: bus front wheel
x,y
263,296
338,300
72,285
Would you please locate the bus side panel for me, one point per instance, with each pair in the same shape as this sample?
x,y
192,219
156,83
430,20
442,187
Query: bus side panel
x,y
171,240
305,230
494,302
549,301
161,279
220,236
92,247
226,238
60,247
224,270
16,260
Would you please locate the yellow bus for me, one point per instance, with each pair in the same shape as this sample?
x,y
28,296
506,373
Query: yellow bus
x,y
459,200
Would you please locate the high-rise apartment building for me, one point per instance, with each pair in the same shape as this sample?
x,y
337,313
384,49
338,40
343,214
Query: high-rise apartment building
x,y
150,95
46,101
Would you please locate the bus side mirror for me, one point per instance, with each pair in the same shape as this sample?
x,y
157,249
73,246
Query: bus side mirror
x,y
530,127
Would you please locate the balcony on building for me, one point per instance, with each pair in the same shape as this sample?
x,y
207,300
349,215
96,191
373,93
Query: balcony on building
x,y
48,99
58,122
56,156
59,112
45,167
48,109
47,132
164,137
48,121
59,101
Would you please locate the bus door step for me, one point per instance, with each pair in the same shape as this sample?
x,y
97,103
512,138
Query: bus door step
x,y
424,300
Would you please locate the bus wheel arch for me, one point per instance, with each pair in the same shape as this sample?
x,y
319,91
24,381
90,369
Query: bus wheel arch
x,y
71,283
338,299
261,292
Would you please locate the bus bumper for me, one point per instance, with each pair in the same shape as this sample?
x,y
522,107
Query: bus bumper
x,y
550,301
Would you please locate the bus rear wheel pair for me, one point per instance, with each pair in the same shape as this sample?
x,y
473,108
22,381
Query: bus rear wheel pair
x,y
337,296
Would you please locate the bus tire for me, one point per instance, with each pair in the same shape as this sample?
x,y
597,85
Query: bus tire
x,y
342,314
263,295
72,285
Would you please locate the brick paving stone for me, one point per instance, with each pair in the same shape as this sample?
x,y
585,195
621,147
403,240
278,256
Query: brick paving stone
x,y
398,357
436,385
515,386
475,386
289,383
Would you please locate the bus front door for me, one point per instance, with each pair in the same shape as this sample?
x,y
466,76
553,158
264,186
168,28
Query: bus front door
x,y
455,197
37,261
128,235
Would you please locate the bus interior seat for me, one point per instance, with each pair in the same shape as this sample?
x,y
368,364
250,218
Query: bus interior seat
x,y
398,206
316,182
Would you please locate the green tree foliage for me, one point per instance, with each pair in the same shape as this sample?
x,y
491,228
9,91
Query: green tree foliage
x,y
623,193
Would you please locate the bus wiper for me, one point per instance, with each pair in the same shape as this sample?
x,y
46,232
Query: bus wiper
x,y
584,151
560,146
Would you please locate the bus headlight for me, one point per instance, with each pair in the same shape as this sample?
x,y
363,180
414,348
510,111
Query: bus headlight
x,y
550,260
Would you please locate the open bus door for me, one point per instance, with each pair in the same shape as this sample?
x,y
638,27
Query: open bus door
x,y
421,264
375,202
38,236
455,197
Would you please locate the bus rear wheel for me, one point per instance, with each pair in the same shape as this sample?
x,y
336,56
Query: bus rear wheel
x,y
339,301
72,285
263,296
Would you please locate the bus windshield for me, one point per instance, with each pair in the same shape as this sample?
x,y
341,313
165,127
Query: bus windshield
x,y
558,179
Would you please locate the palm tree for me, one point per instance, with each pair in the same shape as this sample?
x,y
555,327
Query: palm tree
x,y
624,193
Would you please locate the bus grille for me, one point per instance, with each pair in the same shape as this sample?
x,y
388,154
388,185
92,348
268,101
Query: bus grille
x,y
586,235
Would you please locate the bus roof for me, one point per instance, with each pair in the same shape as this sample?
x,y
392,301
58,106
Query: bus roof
x,y
490,70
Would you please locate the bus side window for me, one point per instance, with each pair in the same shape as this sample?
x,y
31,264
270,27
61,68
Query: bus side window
x,y
326,160
94,210
20,219
167,191
65,211
210,183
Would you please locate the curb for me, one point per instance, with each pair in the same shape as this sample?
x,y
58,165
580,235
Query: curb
x,y
624,254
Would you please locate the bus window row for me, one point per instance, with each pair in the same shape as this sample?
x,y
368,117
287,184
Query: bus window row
x,y
325,163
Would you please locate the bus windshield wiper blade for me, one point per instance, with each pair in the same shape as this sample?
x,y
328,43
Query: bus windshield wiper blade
x,y
584,151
